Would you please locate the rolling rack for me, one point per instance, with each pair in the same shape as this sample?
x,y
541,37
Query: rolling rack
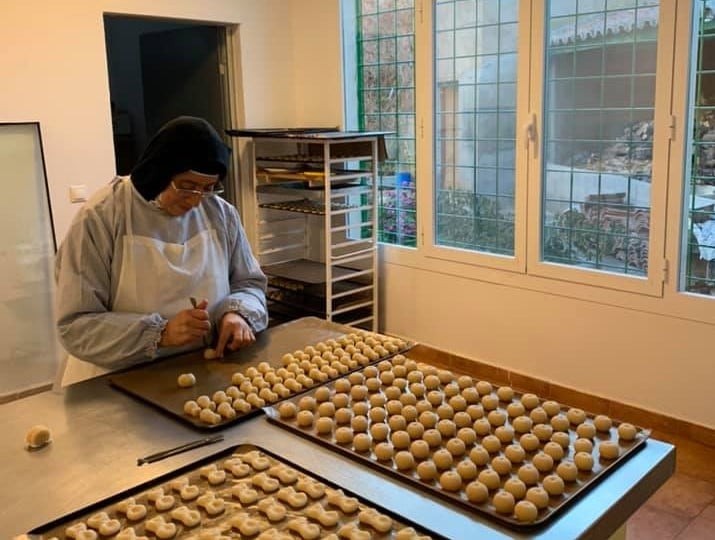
x,y
309,209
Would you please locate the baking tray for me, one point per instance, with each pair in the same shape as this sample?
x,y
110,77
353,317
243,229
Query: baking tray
x,y
156,383
555,505
243,466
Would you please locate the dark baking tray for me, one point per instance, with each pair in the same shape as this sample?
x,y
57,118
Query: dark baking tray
x,y
583,482
56,527
155,383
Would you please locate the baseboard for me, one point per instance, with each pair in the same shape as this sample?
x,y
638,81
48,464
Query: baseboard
x,y
25,392
575,398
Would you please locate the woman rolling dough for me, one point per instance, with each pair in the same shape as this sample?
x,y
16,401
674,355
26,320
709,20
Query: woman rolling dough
x,y
143,245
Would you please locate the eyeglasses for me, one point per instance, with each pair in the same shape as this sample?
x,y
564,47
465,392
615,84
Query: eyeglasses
x,y
216,189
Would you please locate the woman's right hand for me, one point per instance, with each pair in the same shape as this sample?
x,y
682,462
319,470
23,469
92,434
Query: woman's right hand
x,y
187,326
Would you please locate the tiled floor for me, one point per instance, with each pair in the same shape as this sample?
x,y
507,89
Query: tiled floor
x,y
684,508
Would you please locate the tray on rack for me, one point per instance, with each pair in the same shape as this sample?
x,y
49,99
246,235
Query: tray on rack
x,y
238,386
444,466
305,271
243,491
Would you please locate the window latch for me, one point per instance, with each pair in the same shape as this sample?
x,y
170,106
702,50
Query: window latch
x,y
530,132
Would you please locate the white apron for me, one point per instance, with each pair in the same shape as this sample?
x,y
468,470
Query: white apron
x,y
197,268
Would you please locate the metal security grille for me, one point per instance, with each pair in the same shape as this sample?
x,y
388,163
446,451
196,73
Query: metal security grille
x,y
700,200
598,123
475,120
386,101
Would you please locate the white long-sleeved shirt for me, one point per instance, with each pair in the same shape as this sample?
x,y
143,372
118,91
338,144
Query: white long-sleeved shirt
x,y
89,262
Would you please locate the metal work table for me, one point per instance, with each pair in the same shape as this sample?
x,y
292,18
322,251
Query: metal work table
x,y
99,432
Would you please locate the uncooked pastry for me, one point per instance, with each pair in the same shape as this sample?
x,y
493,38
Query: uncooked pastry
x,y
362,442
37,437
287,409
304,418
327,408
482,426
608,450
582,445
501,465
467,434
377,414
516,487
538,497
551,407
602,422
400,439
404,460
505,434
526,511
450,481
307,403
553,484
555,450
359,424
576,416
484,388
497,418
515,453
489,478
584,461
560,422
447,428
442,459
209,417
471,395
490,402
420,449
397,422
344,435
543,461
627,432
379,431
324,425
479,456
503,502
384,451
528,474
538,415
529,442
343,415
467,470
586,430
568,471
522,424
427,471
491,443
186,380
530,401
456,446
477,492
562,438
543,431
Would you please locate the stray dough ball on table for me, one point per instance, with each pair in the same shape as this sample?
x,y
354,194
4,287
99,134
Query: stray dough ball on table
x,y
186,380
526,511
427,471
450,481
568,471
553,484
477,492
576,416
538,497
503,502
583,461
609,450
627,431
602,422
516,487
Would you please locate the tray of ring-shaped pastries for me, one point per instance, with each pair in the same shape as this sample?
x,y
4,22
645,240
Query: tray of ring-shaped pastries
x,y
512,457
241,492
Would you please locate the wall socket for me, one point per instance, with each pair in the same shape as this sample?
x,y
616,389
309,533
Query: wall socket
x,y
78,193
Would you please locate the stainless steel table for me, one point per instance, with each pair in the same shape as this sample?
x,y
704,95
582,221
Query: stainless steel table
x,y
99,432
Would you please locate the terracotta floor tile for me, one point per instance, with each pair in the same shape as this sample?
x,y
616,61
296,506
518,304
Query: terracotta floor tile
x,y
698,529
708,513
683,495
649,523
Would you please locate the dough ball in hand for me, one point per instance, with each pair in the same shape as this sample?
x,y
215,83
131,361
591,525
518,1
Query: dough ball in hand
x,y
210,354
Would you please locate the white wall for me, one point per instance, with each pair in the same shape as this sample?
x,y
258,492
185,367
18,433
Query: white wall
x,y
53,66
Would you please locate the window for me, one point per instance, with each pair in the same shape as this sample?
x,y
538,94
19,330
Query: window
x,y
386,102
561,140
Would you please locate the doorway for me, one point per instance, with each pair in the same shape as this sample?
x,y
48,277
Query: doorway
x,y
160,69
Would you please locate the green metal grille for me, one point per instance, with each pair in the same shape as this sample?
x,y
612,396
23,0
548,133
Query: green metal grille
x,y
598,133
475,116
699,227
386,101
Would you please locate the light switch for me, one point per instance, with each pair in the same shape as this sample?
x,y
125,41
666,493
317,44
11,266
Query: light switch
x,y
78,193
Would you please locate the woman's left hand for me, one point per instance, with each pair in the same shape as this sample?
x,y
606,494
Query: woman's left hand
x,y
234,333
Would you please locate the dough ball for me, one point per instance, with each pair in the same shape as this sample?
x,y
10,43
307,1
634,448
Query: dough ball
x,y
342,385
186,380
489,478
543,431
515,453
529,442
505,434
583,445
543,461
528,474
377,414
501,465
503,502
490,402
560,422
192,408
394,406
627,432
538,415
400,439
516,487
456,446
553,484
360,408
379,431
609,450
482,427
445,411
384,451
562,438
538,497
435,397
307,403
467,470
326,408
491,443
324,425
515,409
530,401
362,442
304,418
428,419
344,435
476,492
427,471
554,450
341,400
404,460
442,459
497,418
467,434
450,481
447,428
479,456
576,416
505,393
343,415
583,461
322,393
551,407
359,424
420,449
526,511
287,409
475,411
38,436
568,471
471,395
484,388
602,422
397,423
210,354
522,424
586,430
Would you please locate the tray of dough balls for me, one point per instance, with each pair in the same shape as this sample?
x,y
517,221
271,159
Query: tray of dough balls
x,y
211,394
513,457
242,492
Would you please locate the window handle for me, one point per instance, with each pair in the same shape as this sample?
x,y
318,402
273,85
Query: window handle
x,y
530,132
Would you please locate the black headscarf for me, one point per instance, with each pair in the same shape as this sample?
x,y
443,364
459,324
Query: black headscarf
x,y
182,144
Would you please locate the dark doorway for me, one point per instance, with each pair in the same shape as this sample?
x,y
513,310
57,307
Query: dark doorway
x,y
160,69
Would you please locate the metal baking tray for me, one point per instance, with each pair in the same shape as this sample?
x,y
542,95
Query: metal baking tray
x,y
237,477
572,492
156,383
